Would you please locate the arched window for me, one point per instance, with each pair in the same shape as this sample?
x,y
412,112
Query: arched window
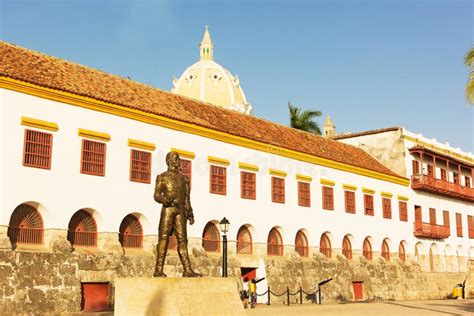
x,y
325,245
347,248
244,241
82,229
26,226
385,250
401,252
211,240
367,249
301,244
274,243
131,232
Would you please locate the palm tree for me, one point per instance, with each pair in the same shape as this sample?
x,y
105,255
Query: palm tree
x,y
303,120
469,62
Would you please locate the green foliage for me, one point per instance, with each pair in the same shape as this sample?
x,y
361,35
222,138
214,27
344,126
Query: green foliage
x,y
469,62
303,120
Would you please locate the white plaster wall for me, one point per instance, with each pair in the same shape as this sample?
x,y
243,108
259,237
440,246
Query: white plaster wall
x,y
63,190
424,199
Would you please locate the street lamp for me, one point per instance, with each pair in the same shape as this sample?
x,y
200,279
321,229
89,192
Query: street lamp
x,y
224,229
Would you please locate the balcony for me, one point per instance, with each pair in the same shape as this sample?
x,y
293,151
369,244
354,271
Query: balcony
x,y
442,187
431,230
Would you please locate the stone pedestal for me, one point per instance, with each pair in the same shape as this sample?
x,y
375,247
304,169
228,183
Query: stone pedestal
x,y
177,296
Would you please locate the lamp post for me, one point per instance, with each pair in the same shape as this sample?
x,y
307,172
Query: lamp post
x,y
224,229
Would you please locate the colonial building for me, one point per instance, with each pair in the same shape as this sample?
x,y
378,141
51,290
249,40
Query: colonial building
x,y
81,149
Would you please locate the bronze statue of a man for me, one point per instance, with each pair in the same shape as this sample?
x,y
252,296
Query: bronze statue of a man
x,y
172,190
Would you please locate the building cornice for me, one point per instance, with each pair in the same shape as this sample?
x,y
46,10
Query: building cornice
x,y
154,119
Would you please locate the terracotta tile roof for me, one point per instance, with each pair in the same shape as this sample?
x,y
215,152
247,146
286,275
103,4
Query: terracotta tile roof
x,y
39,69
364,133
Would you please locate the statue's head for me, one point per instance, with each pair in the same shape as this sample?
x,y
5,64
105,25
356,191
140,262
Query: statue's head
x,y
172,160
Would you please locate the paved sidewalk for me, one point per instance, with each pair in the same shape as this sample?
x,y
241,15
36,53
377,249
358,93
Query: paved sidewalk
x,y
434,307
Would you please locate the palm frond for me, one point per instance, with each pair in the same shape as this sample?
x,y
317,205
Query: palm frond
x,y
470,89
469,58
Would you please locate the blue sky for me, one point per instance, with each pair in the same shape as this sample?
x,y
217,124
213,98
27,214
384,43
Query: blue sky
x,y
368,64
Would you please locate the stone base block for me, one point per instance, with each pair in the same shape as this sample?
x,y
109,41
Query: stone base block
x,y
177,296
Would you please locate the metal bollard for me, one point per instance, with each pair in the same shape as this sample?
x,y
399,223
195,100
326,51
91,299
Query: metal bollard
x,y
301,295
288,295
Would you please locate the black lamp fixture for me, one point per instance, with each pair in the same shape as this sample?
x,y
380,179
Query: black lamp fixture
x,y
225,225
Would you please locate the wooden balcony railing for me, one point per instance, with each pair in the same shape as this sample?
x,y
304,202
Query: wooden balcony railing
x,y
431,230
22,235
442,187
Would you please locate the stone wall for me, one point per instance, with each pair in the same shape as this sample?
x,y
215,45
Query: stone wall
x,y
387,280
48,279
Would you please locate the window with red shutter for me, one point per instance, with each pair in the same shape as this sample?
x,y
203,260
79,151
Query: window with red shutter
x,y
467,182
443,175
218,181
184,168
93,157
304,196
131,232
432,216
274,243
325,246
278,190
328,198
347,248
25,226
211,240
455,177
415,167
430,171
301,244
367,249
140,166
244,241
248,185
403,209
368,204
459,224
349,198
401,252
37,149
470,226
385,250
387,208
446,218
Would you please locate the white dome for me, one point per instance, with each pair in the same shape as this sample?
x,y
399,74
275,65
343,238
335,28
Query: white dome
x,y
208,81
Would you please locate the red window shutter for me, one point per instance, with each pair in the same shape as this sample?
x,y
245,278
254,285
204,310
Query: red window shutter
x,y
459,224
278,190
467,181
328,198
456,177
37,149
403,209
185,168
470,226
369,204
443,175
415,167
349,198
446,218
211,239
93,157
140,166
430,171
387,208
131,232
218,181
432,216
418,216
247,185
304,196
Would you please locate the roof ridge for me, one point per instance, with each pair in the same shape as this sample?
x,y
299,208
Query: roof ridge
x,y
63,75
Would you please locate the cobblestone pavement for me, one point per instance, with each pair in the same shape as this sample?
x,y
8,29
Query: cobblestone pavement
x,y
435,307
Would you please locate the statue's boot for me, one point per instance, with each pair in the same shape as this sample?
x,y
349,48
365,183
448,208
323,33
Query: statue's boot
x,y
184,257
161,249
